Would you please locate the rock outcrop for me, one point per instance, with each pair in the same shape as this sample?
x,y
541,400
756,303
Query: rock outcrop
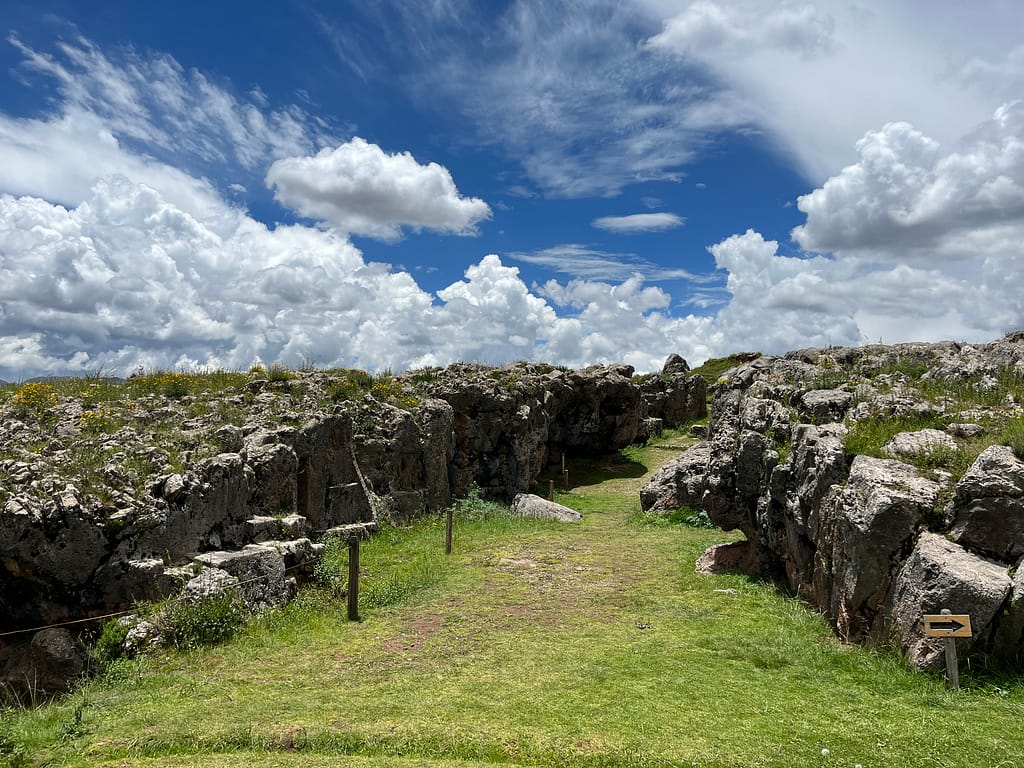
x,y
121,491
873,541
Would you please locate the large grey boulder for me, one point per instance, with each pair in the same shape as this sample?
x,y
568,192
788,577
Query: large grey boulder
x,y
532,506
768,417
988,506
862,532
209,583
941,574
818,462
45,667
679,483
824,405
674,396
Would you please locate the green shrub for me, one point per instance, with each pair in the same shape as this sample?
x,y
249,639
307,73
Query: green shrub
x,y
331,571
279,373
350,385
688,516
35,397
206,622
869,435
425,375
110,644
476,508
712,369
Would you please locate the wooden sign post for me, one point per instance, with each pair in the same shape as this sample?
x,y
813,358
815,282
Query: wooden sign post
x,y
949,626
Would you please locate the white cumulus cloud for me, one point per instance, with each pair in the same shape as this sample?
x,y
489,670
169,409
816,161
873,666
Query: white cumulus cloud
x,y
712,28
908,194
358,188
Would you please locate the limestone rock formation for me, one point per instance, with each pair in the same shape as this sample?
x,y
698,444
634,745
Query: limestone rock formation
x,y
183,477
940,574
871,542
988,507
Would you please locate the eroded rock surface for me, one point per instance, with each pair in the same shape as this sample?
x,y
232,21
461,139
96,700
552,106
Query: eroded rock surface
x,y
275,461
872,542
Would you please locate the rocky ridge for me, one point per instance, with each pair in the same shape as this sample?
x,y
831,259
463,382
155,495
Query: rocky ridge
x,y
113,491
879,483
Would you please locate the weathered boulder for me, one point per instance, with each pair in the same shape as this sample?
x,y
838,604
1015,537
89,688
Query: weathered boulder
x,y
734,557
45,667
679,483
923,442
818,462
51,543
965,429
988,506
406,455
211,513
126,582
274,487
940,574
538,508
209,582
862,532
674,396
769,417
675,364
824,405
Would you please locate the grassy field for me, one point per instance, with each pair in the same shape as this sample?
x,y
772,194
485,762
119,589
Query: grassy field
x,y
592,644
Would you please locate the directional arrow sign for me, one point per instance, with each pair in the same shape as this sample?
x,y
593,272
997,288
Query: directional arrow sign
x,y
947,625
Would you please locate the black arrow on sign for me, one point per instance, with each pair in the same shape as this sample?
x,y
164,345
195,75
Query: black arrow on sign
x,y
952,625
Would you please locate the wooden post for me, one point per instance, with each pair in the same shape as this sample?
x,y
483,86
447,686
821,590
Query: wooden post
x,y
565,478
353,579
551,490
448,528
952,666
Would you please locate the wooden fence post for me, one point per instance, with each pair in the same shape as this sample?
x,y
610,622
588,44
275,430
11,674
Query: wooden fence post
x,y
353,579
448,528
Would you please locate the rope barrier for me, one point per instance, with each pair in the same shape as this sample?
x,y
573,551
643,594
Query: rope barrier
x,y
178,599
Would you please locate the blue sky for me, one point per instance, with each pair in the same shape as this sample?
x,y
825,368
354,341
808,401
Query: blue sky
x,y
399,184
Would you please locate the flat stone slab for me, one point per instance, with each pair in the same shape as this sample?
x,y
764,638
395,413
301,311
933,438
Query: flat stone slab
x,y
538,508
922,442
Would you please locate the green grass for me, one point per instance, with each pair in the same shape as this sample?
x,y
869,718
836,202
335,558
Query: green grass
x,y
712,369
592,644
